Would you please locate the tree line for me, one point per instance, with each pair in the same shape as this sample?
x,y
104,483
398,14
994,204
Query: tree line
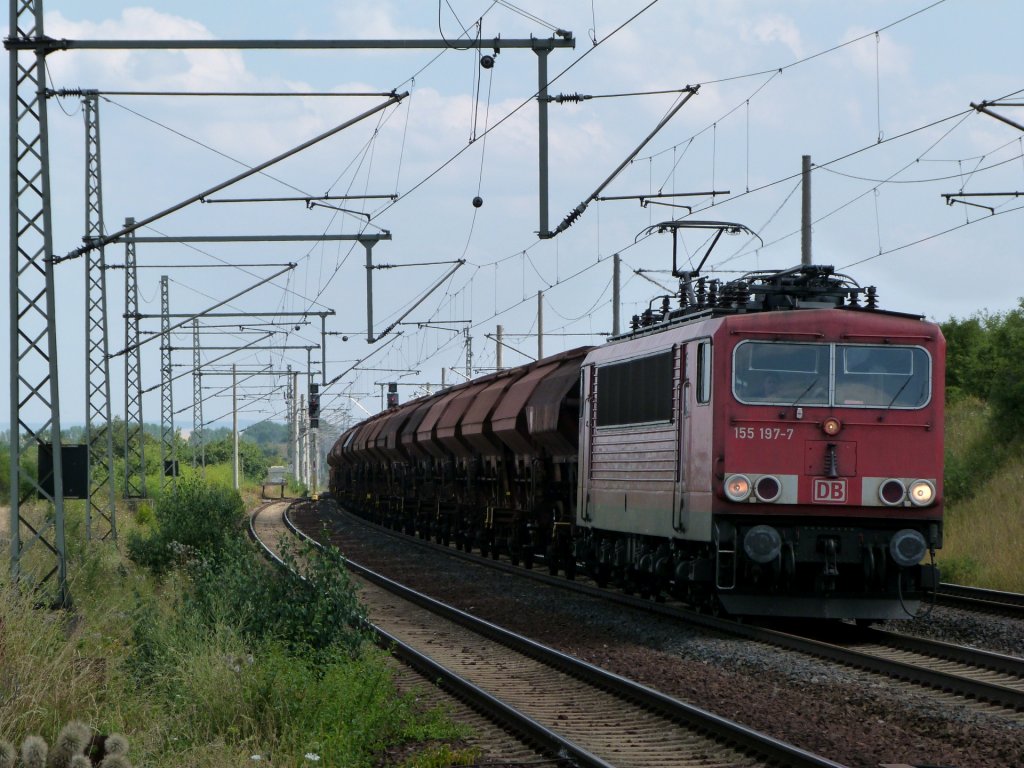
x,y
259,447
985,359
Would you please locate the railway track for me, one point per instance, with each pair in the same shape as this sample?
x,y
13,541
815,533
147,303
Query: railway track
x,y
991,680
987,681
572,709
495,745
982,600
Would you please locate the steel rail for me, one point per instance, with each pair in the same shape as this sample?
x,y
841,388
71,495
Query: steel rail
x,y
959,654
980,690
982,600
736,734
507,717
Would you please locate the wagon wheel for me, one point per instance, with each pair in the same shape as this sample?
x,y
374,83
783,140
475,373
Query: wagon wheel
x,y
552,559
528,556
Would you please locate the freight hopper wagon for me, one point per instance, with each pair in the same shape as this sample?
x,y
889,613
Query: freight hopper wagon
x,y
490,463
773,448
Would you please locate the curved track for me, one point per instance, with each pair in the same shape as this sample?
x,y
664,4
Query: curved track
x,y
594,717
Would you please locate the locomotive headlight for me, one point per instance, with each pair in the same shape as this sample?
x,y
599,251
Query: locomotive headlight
x,y
762,543
907,547
892,492
921,493
737,487
831,426
768,489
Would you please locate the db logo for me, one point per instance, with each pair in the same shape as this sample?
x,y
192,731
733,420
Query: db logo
x,y
830,491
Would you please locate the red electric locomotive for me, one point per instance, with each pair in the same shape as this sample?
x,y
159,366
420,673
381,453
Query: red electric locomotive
x,y
768,446
777,453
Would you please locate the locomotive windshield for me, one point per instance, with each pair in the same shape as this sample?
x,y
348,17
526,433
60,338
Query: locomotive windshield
x,y
848,375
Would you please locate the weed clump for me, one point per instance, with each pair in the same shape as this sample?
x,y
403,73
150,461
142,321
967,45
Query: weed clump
x,y
70,750
197,518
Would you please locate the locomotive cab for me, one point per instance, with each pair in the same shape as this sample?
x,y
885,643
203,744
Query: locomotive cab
x,y
831,465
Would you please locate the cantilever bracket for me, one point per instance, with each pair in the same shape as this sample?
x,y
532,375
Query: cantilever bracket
x,y
370,338
984,107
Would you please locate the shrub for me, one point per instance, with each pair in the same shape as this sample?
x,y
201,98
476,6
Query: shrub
x,y
960,570
316,615
320,610
218,692
970,468
197,517
191,689
200,514
1006,393
253,462
972,454
983,361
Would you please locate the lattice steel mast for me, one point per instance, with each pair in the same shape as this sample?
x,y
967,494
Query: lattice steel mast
x,y
134,439
34,389
168,448
33,342
100,509
197,400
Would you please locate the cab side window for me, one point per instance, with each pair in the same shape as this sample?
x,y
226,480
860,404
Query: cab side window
x,y
704,372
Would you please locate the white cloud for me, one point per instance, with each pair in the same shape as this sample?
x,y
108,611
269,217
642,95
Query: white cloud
x,y
879,53
373,20
773,29
135,23
130,70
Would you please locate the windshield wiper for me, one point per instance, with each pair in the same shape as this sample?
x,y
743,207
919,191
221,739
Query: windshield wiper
x,y
900,390
800,397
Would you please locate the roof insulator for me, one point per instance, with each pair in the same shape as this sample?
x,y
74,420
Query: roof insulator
x,y
713,293
575,98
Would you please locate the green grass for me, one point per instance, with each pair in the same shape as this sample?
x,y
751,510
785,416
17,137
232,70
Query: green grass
x,y
982,534
142,655
984,518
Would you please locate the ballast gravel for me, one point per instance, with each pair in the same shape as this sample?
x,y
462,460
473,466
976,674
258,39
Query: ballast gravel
x,y
852,717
